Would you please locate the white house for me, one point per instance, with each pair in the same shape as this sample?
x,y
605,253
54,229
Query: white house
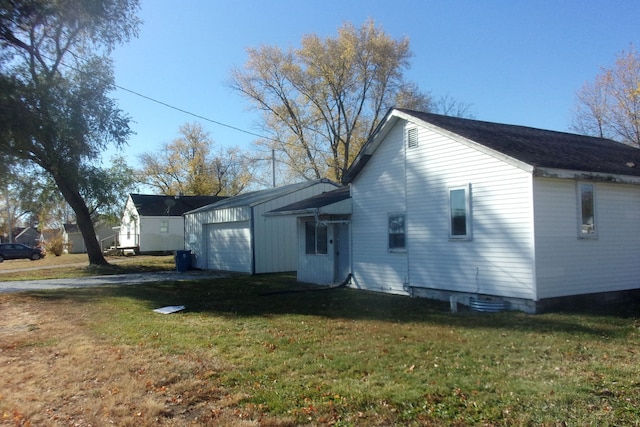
x,y
74,242
235,235
154,223
323,236
444,206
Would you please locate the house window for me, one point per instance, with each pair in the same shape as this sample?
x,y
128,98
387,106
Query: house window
x,y
412,137
397,232
315,238
587,210
460,212
164,226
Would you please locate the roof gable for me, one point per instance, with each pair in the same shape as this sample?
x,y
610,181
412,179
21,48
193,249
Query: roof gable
x,y
535,147
162,205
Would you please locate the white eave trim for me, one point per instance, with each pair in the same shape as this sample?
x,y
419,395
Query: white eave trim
x,y
586,176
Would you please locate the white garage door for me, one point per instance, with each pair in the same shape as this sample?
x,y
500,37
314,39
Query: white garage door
x,y
229,246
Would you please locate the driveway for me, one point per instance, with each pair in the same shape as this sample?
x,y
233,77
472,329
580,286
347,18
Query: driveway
x,y
116,279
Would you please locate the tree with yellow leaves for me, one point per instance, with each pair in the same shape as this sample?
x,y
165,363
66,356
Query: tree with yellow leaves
x,y
188,166
320,103
609,107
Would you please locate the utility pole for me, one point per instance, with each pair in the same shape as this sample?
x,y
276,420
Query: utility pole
x,y
273,166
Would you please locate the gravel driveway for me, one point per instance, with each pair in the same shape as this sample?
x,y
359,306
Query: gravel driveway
x,y
116,279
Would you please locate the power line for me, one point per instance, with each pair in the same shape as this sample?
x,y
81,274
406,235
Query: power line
x,y
164,104
192,114
148,98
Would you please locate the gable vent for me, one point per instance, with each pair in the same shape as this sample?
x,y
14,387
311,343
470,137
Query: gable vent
x,y
412,138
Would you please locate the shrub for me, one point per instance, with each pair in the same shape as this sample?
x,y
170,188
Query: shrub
x,y
56,245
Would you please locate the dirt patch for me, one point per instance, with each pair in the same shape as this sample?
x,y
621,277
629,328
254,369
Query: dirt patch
x,y
57,372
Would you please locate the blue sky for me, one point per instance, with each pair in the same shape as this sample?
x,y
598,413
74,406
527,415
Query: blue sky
x,y
513,61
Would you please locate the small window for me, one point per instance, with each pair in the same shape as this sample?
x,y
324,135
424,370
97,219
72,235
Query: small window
x,y
412,137
460,212
587,210
315,238
397,232
164,226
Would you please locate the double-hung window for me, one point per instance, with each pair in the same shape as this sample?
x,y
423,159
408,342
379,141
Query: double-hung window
x,y
315,238
460,212
397,232
586,210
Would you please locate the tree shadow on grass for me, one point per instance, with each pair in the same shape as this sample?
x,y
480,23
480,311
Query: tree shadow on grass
x,y
267,295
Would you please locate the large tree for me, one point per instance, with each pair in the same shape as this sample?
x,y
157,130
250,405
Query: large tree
x,y
189,166
55,78
609,107
321,102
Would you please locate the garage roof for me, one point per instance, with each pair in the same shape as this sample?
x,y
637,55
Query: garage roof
x,y
254,198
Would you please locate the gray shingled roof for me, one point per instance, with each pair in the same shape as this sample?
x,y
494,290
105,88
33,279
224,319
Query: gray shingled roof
x,y
536,147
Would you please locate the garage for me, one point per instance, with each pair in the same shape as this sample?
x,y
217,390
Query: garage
x,y
235,235
229,246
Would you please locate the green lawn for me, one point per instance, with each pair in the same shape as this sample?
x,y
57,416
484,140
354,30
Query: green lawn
x,y
347,357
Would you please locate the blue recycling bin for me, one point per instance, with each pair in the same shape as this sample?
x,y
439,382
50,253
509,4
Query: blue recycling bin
x,y
183,261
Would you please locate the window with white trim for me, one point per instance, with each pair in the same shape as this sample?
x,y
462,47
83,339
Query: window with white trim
x,y
587,210
397,232
460,212
315,238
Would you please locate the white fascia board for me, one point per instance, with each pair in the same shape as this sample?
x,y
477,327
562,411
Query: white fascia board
x,y
587,176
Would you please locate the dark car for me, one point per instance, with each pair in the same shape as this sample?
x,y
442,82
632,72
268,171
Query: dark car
x,y
18,251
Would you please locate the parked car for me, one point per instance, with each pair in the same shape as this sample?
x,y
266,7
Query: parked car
x,y
18,251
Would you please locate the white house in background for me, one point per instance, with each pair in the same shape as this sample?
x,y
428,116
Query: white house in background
x,y
323,236
154,223
74,242
444,206
235,235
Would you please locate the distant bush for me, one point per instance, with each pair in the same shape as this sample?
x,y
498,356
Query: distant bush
x,y
55,245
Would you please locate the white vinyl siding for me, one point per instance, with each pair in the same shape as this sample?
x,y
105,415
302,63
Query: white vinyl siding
x,y
152,240
377,190
314,268
498,261
571,266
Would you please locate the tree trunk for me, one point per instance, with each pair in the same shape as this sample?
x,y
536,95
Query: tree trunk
x,y
83,218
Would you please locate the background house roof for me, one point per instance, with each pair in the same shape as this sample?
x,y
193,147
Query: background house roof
x,y
536,147
71,228
161,205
